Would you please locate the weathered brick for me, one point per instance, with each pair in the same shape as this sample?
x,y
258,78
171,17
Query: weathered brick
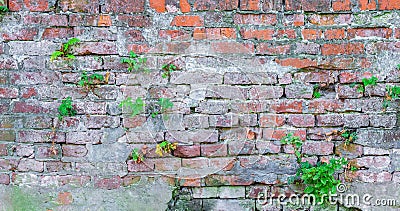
x,y
167,164
241,147
299,91
278,134
369,32
371,162
84,6
3,150
294,19
267,147
4,179
37,136
74,151
367,5
342,49
108,183
145,166
187,21
297,62
386,121
317,148
328,19
197,77
311,34
272,120
250,78
349,150
389,5
123,6
355,120
93,137
201,5
195,163
334,34
212,107
134,20
30,165
186,151
287,106
33,78
307,48
22,34
43,153
57,33
214,150
301,120
308,5
8,92
341,5
265,92
193,136
226,120
330,120
262,19
272,49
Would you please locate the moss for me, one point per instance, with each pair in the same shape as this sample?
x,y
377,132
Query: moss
x,y
21,201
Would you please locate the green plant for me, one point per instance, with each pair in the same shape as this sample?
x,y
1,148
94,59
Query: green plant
x,y
65,50
66,109
134,62
164,104
349,136
393,93
90,81
3,9
136,156
367,82
134,107
398,66
353,168
166,147
316,93
296,142
168,69
319,179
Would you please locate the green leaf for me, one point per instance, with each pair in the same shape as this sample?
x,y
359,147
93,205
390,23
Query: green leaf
x,y
308,190
55,55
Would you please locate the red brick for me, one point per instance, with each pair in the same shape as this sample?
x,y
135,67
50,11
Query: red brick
x,y
287,107
272,120
344,49
30,165
397,33
108,183
301,120
341,5
337,34
158,5
104,20
123,6
23,34
263,34
99,48
370,177
250,5
186,20
8,93
294,20
367,4
311,34
25,107
86,6
167,164
15,5
330,120
252,19
214,150
37,5
324,105
285,34
144,166
327,19
187,151
74,151
297,62
8,164
3,150
272,49
308,5
318,148
54,33
215,5
195,163
278,134
180,34
389,5
369,32
184,5
65,198
232,47
4,179
138,48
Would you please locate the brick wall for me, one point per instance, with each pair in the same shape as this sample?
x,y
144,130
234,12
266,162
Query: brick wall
x,y
246,76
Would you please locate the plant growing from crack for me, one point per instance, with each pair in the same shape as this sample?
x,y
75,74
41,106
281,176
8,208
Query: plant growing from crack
x,y
349,136
66,109
294,141
165,147
136,156
319,179
89,82
65,51
367,82
134,107
161,106
392,93
316,93
135,63
3,8
168,69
